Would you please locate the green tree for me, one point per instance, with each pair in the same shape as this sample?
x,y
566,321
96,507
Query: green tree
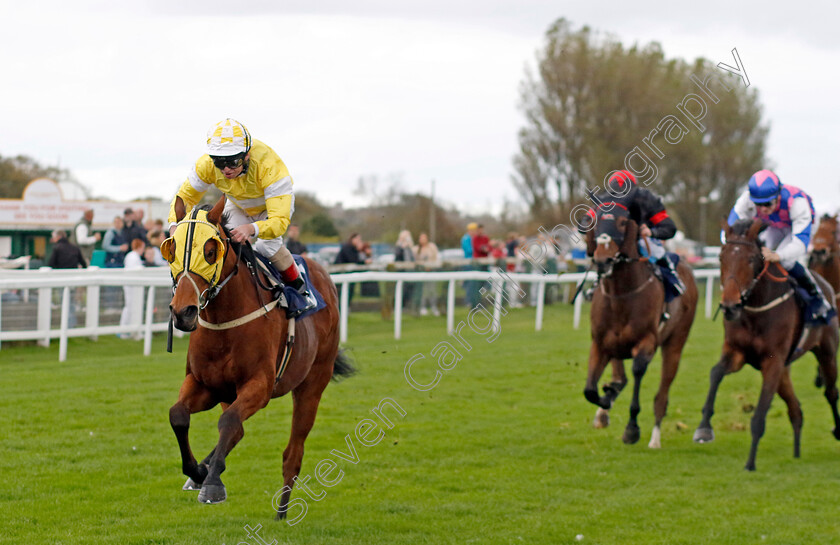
x,y
320,225
592,101
17,172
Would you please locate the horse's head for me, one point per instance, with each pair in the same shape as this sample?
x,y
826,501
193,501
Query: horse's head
x,y
613,239
741,263
824,241
196,255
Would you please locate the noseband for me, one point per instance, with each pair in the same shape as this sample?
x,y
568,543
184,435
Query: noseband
x,y
765,271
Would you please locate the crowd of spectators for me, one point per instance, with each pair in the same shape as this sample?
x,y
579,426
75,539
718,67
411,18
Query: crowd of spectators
x,y
116,244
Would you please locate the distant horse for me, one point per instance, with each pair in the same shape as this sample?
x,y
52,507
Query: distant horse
x,y
237,346
825,255
825,261
627,319
764,327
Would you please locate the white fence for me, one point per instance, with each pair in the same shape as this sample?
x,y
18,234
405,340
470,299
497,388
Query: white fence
x,y
33,292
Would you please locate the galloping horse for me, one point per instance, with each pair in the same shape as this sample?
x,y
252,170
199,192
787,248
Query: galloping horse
x,y
825,255
627,319
825,261
764,327
237,344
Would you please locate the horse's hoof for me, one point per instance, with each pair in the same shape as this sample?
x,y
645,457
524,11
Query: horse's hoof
x,y
602,419
750,466
704,435
655,438
212,493
280,515
190,485
836,433
631,434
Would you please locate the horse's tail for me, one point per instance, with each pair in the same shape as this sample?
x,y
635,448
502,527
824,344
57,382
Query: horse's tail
x,y
343,367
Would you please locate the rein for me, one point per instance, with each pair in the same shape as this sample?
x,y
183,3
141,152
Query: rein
x,y
765,271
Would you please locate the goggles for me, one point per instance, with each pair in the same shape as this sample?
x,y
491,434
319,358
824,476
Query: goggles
x,y
196,246
232,161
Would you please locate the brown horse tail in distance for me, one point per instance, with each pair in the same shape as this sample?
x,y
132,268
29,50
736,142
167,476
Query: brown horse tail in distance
x,y
343,367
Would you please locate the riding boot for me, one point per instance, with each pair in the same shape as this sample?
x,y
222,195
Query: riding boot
x,y
667,267
803,277
285,264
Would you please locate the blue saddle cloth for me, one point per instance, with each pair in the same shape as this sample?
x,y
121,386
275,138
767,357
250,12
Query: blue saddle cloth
x,y
298,307
809,305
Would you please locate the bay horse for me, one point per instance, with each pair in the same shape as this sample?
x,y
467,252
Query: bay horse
x,y
236,346
764,328
825,261
825,254
626,318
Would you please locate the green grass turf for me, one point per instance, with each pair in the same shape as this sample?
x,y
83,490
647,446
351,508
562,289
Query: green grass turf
x,y
500,451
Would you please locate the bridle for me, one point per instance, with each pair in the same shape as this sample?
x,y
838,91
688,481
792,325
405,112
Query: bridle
x,y
746,292
212,290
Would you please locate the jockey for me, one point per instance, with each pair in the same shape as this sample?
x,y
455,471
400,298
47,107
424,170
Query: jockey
x,y
260,199
789,213
647,210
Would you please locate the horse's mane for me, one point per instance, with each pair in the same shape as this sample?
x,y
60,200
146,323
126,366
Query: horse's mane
x,y
243,249
741,227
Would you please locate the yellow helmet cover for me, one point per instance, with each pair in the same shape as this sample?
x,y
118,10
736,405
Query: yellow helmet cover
x,y
187,246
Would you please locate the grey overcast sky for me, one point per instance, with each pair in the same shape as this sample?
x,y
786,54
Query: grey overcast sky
x,y
123,93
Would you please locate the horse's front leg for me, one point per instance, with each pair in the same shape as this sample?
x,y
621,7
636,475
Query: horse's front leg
x,y
251,397
730,362
597,363
642,354
611,391
772,370
192,398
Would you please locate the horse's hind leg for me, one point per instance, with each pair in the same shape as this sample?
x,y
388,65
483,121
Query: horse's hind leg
x,y
192,398
670,363
250,398
611,391
306,398
794,408
643,353
827,358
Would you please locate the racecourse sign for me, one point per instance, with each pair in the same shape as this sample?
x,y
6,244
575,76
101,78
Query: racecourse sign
x,y
43,206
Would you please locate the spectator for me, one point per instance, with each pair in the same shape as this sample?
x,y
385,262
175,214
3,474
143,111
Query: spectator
x,y
481,243
404,249
114,245
132,229
467,240
351,252
292,243
428,255
511,244
132,312
498,251
65,254
83,235
470,286
404,253
154,258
